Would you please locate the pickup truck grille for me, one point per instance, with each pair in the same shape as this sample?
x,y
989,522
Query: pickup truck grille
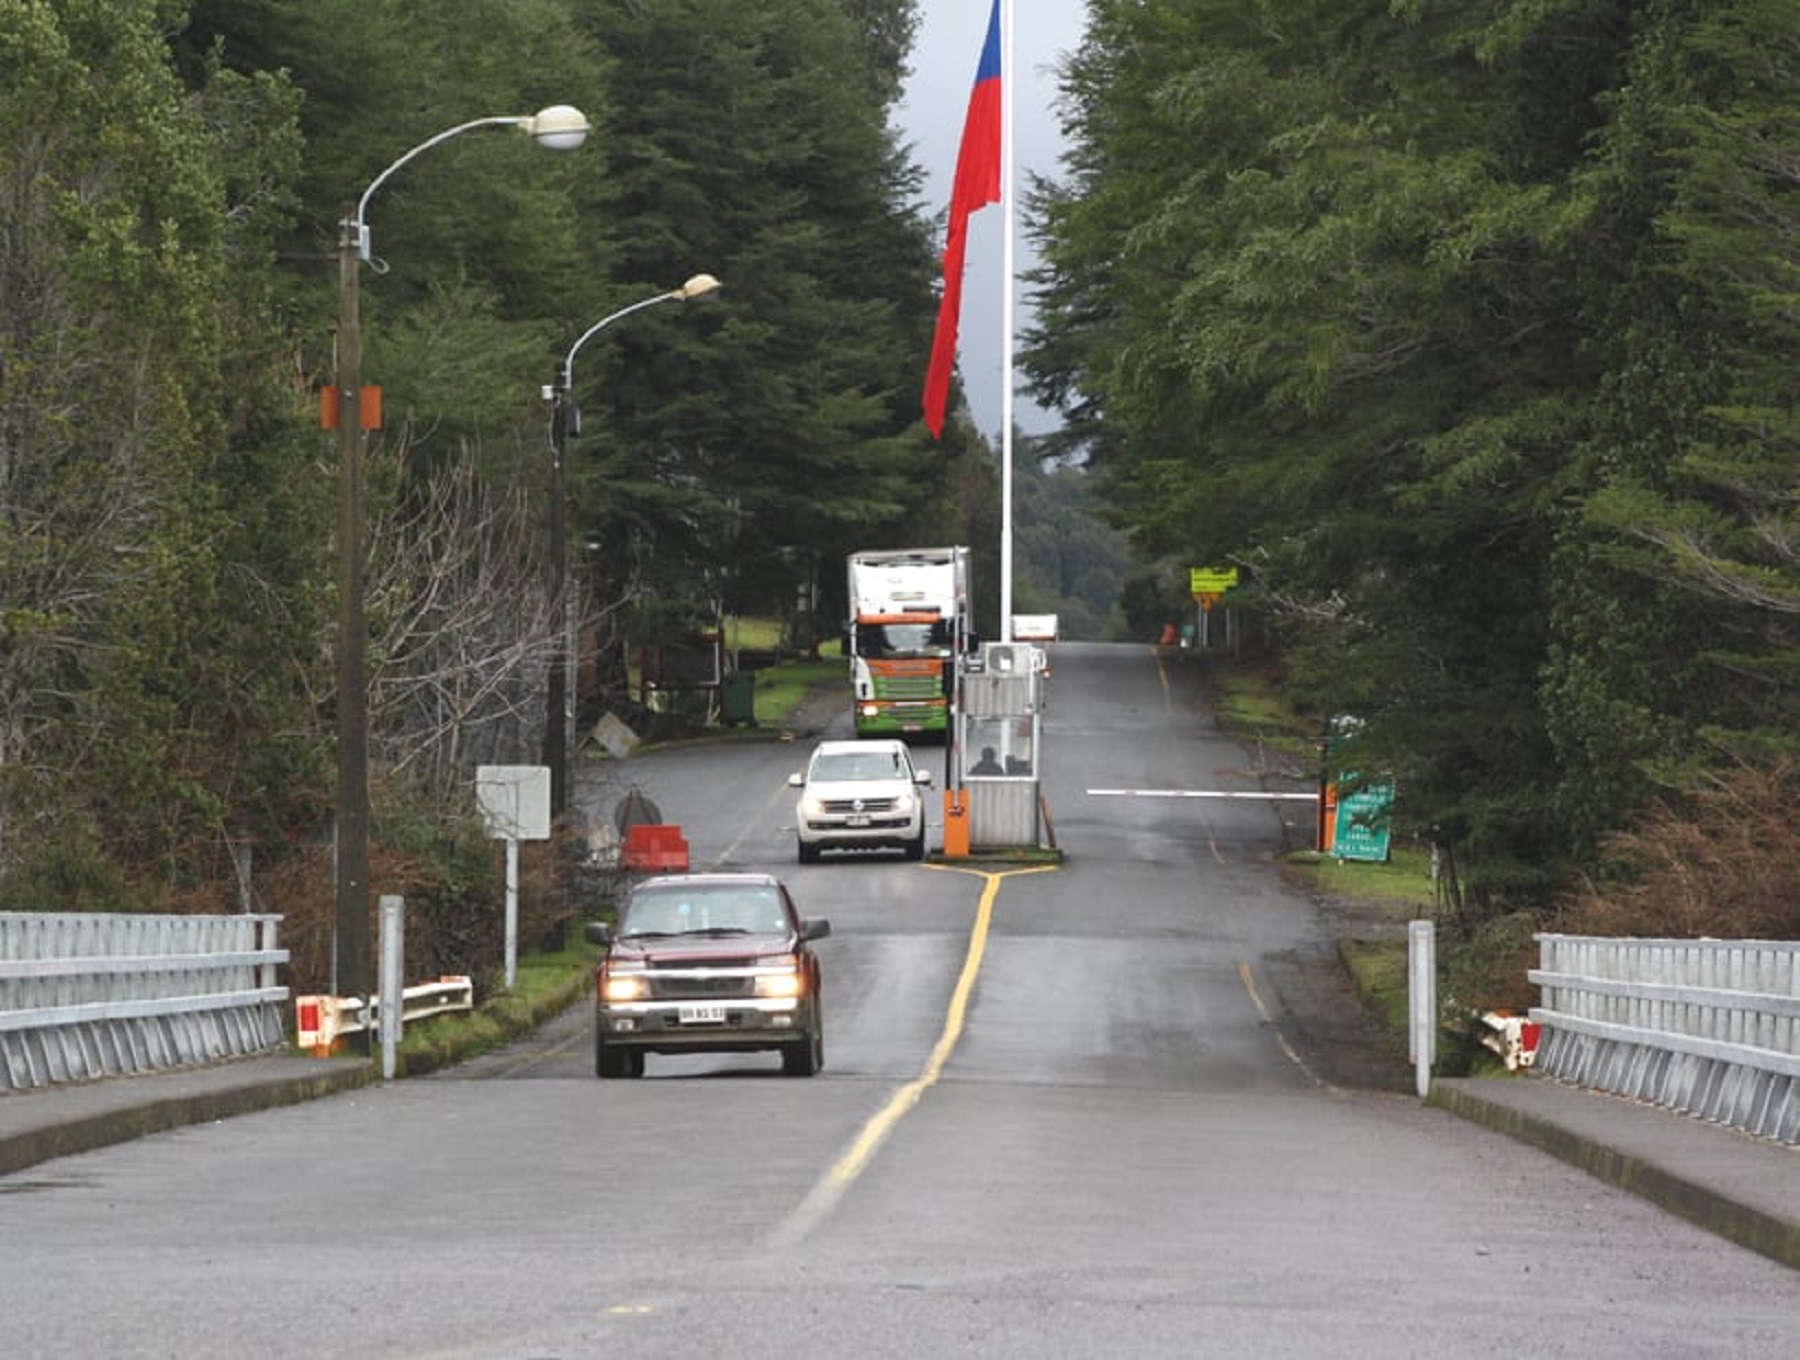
x,y
673,986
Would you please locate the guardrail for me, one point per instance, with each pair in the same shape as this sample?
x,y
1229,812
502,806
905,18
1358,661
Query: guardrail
x,y
89,994
321,1022
1710,1027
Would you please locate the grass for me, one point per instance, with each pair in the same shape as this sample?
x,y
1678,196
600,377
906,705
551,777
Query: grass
x,y
763,635
1403,884
546,984
1381,898
780,690
1378,969
1247,703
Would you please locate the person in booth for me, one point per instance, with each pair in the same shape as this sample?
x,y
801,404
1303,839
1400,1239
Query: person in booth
x,y
988,764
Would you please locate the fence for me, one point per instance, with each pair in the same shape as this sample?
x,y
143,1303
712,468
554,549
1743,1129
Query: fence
x,y
1710,1027
92,994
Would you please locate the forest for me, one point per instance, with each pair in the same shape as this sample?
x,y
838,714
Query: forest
x,y
1464,328
174,175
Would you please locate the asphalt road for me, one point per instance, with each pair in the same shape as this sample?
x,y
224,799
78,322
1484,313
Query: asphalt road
x,y
1056,1119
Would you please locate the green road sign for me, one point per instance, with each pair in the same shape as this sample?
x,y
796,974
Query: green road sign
x,y
1363,819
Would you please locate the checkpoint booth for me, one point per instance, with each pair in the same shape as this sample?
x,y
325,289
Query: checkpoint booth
x,y
999,743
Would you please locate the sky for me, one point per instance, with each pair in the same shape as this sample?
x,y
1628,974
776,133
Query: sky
x,y
930,118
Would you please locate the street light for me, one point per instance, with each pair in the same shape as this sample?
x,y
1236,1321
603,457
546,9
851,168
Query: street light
x,y
565,420
559,128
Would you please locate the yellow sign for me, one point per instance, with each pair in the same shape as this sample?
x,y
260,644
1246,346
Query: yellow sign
x,y
1211,580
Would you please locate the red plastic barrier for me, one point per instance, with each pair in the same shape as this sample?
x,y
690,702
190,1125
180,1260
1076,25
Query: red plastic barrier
x,y
653,848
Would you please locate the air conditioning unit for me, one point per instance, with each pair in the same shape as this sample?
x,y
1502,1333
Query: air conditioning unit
x,y
1006,658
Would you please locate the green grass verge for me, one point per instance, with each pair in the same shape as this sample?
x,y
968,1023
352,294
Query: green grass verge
x,y
1247,703
1384,897
781,689
1378,970
1400,889
546,985
763,635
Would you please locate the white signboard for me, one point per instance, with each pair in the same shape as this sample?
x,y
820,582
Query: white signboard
x,y
514,801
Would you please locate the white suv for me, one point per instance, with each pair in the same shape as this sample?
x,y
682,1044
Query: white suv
x,y
860,794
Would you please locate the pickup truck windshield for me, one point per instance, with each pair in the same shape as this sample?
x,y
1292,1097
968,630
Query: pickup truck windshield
x,y
749,911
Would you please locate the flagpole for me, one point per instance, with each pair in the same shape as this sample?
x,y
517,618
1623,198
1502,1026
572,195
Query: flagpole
x,y
1009,83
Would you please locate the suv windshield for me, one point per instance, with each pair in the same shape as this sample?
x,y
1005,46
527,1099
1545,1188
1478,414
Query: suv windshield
x,y
837,766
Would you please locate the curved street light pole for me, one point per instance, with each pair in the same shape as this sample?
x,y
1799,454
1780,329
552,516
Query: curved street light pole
x,y
565,420
558,128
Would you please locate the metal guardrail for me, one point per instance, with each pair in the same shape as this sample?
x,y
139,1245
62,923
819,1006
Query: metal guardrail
x,y
1710,1027
89,994
321,1022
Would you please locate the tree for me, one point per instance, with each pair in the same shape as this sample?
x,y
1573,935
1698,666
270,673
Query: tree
x,y
124,725
1415,311
1675,649
750,140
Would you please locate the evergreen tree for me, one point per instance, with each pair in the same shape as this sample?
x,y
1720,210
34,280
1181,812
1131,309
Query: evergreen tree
x,y
1677,586
750,140
1451,323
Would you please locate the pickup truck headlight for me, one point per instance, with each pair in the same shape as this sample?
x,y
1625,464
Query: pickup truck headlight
x,y
623,985
784,977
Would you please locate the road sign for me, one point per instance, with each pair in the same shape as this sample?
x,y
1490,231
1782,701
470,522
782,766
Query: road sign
x,y
1363,822
514,801
1211,580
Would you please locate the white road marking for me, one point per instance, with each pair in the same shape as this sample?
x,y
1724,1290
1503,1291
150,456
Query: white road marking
x,y
1199,793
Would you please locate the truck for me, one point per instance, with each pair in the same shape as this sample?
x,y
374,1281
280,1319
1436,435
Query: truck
x,y
909,620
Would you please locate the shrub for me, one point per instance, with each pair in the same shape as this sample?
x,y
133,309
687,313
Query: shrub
x,y
1722,862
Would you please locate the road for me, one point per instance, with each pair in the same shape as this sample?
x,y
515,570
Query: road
x,y
1057,1118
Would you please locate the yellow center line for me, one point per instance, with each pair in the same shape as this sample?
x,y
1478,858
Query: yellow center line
x,y
1262,1011
831,1187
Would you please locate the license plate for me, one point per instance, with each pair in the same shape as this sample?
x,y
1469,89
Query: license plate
x,y
860,819
702,1015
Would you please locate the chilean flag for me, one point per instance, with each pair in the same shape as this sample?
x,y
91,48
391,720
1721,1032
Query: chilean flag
x,y
977,185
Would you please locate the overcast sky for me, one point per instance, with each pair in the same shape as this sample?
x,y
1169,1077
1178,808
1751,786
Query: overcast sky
x,y
931,119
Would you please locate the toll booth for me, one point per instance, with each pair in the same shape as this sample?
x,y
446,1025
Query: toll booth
x,y
999,744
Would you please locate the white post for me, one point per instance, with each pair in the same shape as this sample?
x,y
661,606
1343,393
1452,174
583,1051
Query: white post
x,y
1009,83
512,912
1421,976
392,1020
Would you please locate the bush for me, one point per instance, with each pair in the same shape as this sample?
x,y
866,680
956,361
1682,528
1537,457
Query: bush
x,y
1722,862
453,880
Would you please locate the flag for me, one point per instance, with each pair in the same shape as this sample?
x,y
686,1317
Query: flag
x,y
977,184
